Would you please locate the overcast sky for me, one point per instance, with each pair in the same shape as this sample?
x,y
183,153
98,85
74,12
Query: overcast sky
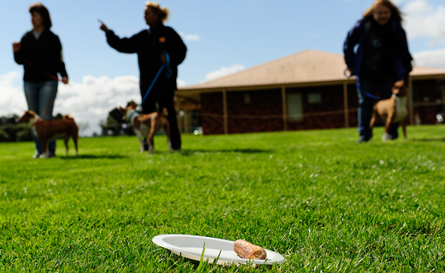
x,y
222,37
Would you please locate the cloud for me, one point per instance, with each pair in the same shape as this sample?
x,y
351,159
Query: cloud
x,y
190,37
224,71
88,102
432,58
425,21
180,83
12,98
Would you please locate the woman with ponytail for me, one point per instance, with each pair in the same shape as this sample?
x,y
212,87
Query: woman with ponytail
x,y
159,45
376,52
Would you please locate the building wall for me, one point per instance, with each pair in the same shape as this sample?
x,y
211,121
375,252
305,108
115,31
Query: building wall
x,y
254,111
212,113
353,105
247,111
328,113
262,110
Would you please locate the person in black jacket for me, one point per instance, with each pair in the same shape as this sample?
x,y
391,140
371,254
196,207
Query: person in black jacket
x,y
155,47
40,52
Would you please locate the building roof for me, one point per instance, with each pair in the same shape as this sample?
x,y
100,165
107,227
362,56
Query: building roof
x,y
306,67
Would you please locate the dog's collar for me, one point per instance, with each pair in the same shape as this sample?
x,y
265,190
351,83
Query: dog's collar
x,y
129,118
35,122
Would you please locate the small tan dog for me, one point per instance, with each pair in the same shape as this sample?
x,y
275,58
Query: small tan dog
x,y
393,109
47,130
146,125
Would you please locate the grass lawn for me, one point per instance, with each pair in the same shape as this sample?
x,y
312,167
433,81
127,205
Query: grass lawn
x,y
324,202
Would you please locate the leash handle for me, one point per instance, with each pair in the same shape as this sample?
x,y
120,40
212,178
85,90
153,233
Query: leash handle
x,y
167,64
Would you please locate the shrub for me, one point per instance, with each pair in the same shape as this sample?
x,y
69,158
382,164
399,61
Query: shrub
x,y
3,136
24,135
20,132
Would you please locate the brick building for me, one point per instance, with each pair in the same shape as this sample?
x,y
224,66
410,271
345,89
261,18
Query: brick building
x,y
306,90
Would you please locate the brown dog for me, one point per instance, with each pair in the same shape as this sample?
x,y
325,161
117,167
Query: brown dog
x,y
146,125
393,109
47,130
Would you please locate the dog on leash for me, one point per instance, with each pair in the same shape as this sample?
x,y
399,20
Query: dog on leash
x,y
47,130
393,109
146,125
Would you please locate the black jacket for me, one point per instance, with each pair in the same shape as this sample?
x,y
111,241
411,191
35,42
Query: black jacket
x,y
41,57
400,58
149,45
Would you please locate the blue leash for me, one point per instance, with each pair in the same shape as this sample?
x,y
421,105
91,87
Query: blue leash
x,y
169,74
372,96
364,92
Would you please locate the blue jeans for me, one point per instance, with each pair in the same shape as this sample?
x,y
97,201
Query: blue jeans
x,y
40,98
367,87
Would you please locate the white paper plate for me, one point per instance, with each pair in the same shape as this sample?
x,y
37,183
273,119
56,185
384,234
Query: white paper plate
x,y
191,247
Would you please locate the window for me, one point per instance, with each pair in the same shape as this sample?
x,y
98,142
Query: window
x,y
246,98
294,107
314,98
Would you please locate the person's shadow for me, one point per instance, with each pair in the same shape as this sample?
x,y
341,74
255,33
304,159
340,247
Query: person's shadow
x,y
428,139
185,152
111,156
188,152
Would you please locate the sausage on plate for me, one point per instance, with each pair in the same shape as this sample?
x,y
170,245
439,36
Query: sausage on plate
x,y
248,250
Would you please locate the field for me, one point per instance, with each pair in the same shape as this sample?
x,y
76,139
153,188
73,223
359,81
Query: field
x,y
324,202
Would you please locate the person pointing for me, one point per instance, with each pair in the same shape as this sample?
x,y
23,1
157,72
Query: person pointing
x,y
159,45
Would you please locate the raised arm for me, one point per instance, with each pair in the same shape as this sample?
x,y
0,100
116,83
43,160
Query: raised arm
x,y
124,45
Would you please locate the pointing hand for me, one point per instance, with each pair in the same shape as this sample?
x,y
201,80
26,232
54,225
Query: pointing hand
x,y
103,26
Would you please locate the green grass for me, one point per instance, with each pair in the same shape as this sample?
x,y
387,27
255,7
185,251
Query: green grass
x,y
324,202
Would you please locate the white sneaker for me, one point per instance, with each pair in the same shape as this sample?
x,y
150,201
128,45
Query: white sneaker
x,y
36,155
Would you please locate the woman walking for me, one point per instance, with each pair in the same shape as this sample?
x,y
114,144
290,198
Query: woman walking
x,y
159,45
40,52
381,59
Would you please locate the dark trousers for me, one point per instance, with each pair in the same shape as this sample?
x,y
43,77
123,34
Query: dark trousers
x,y
368,86
164,99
